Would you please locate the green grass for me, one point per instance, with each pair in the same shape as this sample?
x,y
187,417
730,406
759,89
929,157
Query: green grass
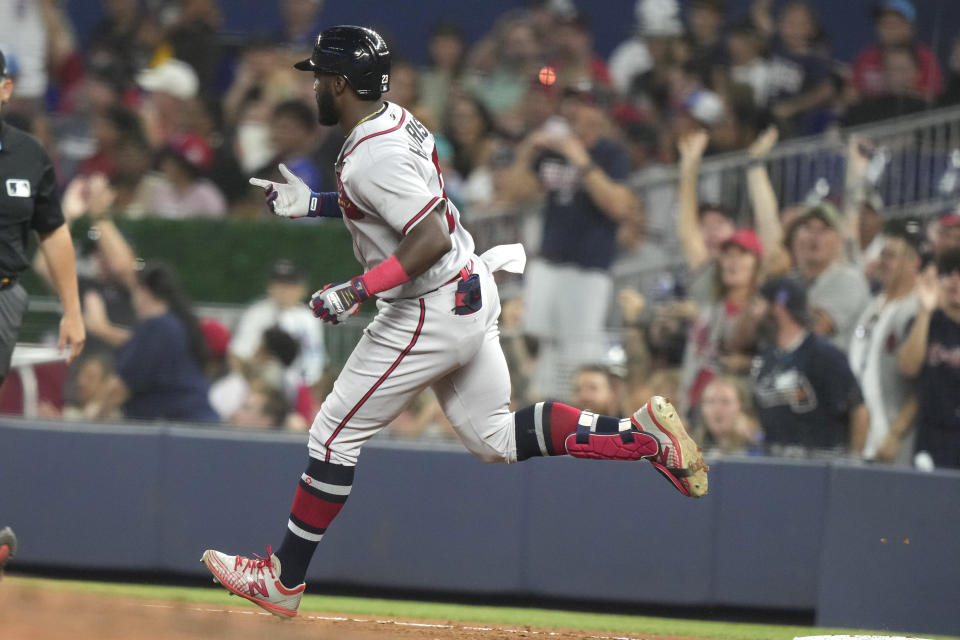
x,y
507,616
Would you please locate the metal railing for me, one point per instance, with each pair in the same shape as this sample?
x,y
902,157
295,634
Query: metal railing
x,y
912,156
915,168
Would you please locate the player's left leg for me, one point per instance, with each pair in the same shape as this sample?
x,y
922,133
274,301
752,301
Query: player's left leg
x,y
393,361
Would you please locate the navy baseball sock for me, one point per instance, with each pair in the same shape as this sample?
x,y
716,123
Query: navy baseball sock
x,y
542,429
322,492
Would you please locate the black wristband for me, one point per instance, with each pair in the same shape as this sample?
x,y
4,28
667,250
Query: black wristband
x,y
324,205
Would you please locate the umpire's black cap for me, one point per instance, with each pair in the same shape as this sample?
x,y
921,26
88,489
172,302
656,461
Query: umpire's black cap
x,y
358,54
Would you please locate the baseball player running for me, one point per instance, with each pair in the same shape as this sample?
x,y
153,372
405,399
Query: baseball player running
x,y
436,324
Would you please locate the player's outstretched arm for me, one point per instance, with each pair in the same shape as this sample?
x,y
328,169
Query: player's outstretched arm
x,y
294,199
419,250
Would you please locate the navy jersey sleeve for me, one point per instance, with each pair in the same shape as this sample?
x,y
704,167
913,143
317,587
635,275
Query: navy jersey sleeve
x,y
841,393
47,215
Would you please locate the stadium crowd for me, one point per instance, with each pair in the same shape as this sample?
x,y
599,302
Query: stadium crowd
x,y
818,328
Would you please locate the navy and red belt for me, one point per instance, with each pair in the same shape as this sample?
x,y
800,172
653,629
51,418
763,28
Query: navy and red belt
x,y
463,274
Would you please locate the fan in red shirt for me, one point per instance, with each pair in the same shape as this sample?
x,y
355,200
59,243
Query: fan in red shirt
x,y
894,22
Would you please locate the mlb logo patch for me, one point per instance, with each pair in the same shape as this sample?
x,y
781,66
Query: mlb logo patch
x,y
17,188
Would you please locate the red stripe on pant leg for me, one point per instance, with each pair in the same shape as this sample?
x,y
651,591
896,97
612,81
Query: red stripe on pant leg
x,y
314,511
416,334
563,422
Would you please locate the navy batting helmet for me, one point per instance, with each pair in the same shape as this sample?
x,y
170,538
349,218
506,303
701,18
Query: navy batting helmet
x,y
358,54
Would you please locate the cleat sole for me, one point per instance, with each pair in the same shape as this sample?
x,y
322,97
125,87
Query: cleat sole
x,y
695,470
691,479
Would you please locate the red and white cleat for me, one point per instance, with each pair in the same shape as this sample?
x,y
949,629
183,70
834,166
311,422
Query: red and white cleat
x,y
256,579
679,460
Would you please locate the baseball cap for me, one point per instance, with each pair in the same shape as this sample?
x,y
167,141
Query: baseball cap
x,y
949,218
658,18
192,150
175,77
910,230
790,293
903,7
284,270
217,336
747,240
823,211
705,107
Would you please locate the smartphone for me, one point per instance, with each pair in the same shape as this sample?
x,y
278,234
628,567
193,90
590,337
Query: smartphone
x,y
557,127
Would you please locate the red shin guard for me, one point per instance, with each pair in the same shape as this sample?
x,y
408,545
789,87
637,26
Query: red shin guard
x,y
626,445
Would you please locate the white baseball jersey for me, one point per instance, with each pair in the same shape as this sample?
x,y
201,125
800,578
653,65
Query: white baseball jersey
x,y
388,180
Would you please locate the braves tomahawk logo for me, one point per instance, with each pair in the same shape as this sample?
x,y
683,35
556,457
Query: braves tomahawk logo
x,y
349,209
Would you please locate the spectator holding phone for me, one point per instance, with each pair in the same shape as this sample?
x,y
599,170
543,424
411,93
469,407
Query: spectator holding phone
x,y
581,167
931,354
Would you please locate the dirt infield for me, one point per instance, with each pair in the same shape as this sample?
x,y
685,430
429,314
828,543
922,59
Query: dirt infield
x,y
32,613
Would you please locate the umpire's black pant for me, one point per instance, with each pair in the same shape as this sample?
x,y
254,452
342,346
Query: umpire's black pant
x,y
13,304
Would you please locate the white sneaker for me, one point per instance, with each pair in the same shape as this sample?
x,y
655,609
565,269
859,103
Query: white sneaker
x,y
256,579
679,460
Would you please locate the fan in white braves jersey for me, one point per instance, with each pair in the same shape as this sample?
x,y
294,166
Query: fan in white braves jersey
x,y
436,324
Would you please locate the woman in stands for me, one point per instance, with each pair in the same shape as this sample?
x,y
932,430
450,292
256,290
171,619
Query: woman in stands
x,y
159,365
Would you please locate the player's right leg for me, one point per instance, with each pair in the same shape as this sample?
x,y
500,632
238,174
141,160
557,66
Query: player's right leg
x,y
654,432
476,397
386,369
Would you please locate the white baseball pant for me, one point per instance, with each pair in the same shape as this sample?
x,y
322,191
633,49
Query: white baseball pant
x,y
417,343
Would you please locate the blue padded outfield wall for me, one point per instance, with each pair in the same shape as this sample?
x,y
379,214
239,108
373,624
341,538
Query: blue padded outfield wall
x,y
864,547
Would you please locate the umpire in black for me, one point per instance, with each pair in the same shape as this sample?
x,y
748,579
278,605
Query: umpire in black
x,y
28,200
